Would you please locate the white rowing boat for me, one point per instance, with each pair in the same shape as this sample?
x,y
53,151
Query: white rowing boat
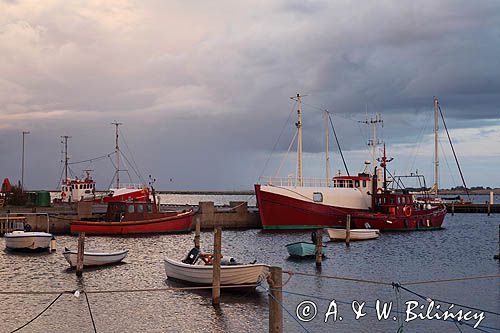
x,y
95,258
231,275
27,240
355,234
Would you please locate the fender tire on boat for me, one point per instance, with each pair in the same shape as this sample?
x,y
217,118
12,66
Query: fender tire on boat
x,y
407,211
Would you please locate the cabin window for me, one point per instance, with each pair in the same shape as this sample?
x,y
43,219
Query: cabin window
x,y
392,201
149,208
131,208
364,183
385,200
356,183
140,209
317,197
399,200
349,183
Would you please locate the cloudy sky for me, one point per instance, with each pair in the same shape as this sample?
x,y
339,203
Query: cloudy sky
x,y
202,87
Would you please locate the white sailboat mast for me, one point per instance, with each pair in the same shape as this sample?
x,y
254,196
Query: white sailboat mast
x,y
117,152
436,157
299,141
327,158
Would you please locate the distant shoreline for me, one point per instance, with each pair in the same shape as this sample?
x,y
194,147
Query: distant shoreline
x,y
251,192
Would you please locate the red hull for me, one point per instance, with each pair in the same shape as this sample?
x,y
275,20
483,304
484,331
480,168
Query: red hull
x,y
180,223
419,220
281,212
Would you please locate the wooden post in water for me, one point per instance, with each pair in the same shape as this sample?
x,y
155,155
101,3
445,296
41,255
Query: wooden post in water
x,y
79,258
197,232
489,207
319,246
216,266
453,208
498,255
275,281
348,231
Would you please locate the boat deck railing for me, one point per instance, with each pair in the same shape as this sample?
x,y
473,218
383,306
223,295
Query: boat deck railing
x,y
295,182
131,186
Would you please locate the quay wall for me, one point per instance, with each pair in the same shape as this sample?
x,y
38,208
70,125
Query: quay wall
x,y
235,216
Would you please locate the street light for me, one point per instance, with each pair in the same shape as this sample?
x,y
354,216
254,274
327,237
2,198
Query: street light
x,y
22,166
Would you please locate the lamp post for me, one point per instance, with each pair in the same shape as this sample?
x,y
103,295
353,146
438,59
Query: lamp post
x,y
22,166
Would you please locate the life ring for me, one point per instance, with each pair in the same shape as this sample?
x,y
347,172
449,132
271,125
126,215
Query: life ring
x,y
63,195
407,210
379,190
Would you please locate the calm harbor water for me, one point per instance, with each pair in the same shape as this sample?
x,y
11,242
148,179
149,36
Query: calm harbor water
x,y
465,248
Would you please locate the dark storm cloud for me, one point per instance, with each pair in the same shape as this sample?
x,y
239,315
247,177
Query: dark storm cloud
x,y
203,88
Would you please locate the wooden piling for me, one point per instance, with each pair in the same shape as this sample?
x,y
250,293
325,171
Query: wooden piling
x,y
488,204
197,232
275,281
79,258
319,246
216,266
453,208
348,231
498,255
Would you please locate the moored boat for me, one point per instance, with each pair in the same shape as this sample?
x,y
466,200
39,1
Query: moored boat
x,y
135,217
27,240
95,258
354,234
247,275
301,249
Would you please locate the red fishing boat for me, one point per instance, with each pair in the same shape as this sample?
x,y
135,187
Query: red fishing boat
x,y
135,217
396,210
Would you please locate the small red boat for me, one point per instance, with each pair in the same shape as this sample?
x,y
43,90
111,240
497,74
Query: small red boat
x,y
135,217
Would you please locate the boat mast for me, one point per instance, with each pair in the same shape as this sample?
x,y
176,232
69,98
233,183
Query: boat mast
x,y
373,142
436,158
66,158
117,152
327,158
299,140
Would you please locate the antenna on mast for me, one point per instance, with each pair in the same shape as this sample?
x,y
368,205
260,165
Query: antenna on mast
x,y
117,152
297,98
373,142
436,157
66,158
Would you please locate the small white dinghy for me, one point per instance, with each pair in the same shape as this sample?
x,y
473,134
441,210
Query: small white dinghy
x,y
230,275
27,240
95,258
355,234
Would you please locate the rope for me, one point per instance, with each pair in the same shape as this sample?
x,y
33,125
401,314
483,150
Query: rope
x,y
111,291
441,301
32,320
277,141
338,144
340,278
398,285
90,311
92,159
453,279
284,308
286,155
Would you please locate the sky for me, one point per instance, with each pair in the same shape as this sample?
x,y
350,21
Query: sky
x,y
203,88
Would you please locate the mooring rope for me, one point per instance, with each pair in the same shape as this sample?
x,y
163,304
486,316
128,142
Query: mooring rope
x,y
339,278
38,315
284,308
90,312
